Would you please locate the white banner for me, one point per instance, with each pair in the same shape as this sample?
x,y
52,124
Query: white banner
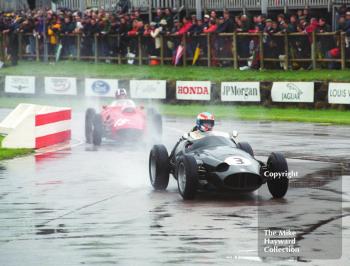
x,y
20,84
148,89
302,92
61,85
101,87
193,90
240,92
339,93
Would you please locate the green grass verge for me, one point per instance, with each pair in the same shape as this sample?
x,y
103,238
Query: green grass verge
x,y
251,112
215,74
261,113
12,153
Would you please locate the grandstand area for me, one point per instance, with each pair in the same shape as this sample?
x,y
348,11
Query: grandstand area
x,y
189,4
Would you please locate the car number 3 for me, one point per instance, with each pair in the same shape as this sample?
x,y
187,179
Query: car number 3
x,y
236,161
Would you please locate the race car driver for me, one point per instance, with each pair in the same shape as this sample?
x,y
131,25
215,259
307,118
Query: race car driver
x,y
121,99
121,94
205,122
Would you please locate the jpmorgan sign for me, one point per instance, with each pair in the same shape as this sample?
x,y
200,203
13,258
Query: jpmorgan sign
x,y
302,92
240,92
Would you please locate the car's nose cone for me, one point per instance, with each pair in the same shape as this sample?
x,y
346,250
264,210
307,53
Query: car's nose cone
x,y
243,181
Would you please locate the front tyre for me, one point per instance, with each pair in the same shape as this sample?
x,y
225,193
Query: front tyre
x,y
277,165
159,167
187,177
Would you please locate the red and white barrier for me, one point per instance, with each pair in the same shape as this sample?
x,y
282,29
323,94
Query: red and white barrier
x,y
36,126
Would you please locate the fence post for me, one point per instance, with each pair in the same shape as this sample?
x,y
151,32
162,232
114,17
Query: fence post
x,y
2,49
96,48
286,51
184,57
78,46
342,50
150,10
37,49
6,43
161,50
261,52
20,50
209,49
234,50
140,49
119,52
313,51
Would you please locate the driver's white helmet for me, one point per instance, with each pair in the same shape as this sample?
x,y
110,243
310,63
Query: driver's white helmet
x,y
205,122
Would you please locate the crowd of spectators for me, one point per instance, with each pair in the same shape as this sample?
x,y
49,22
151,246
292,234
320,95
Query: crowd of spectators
x,y
116,32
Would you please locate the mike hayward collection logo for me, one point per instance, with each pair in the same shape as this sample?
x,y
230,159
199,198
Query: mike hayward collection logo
x,y
280,241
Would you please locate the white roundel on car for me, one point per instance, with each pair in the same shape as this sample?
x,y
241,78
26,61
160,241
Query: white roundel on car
x,y
121,122
237,160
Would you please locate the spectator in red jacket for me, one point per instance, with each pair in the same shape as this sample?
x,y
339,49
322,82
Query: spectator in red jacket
x,y
214,50
187,24
212,27
313,27
137,27
333,54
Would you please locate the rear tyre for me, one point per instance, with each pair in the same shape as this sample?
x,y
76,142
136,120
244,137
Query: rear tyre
x,y
159,167
187,177
245,146
97,130
89,119
277,164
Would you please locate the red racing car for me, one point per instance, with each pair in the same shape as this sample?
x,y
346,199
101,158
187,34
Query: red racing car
x,y
122,120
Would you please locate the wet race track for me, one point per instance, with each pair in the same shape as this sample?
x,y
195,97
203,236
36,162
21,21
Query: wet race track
x,y
95,206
